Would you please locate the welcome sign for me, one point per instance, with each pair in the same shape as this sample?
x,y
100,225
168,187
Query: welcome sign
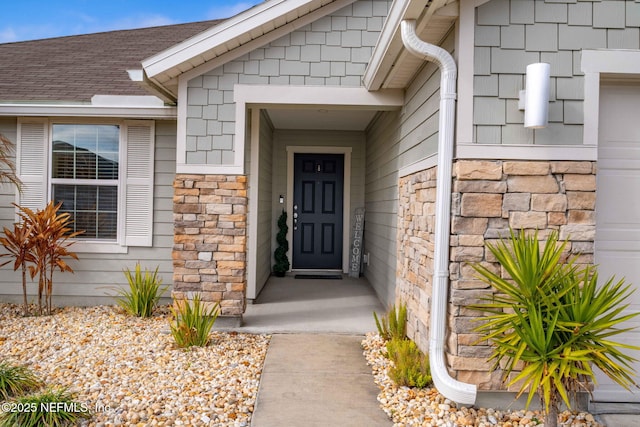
x,y
355,256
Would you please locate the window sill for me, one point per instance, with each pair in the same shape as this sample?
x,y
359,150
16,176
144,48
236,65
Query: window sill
x,y
79,246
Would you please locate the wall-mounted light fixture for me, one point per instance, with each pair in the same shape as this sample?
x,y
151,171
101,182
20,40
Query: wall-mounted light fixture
x,y
534,100
281,199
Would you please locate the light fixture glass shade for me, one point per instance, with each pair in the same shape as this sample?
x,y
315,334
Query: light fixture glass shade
x,y
536,110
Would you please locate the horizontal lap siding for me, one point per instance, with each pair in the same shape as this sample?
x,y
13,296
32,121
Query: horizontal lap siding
x,y
95,274
397,140
265,205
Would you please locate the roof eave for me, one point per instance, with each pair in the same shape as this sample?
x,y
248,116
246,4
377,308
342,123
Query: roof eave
x,y
389,52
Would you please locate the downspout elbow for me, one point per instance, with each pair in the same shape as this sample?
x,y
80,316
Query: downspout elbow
x,y
450,388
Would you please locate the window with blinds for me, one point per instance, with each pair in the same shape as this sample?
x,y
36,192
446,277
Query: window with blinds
x,y
84,176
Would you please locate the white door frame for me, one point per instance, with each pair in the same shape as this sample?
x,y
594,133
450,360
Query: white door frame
x,y
255,97
292,150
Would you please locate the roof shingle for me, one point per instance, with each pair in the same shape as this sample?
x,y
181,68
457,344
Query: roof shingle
x,y
74,68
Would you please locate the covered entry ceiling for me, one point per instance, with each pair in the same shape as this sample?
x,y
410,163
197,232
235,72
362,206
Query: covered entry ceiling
x,y
321,118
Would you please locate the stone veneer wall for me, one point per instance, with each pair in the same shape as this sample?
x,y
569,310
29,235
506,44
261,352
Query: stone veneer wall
x,y
210,236
488,198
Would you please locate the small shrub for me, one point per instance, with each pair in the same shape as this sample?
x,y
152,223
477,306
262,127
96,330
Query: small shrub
x,y
410,366
192,322
143,294
281,265
16,380
394,324
50,408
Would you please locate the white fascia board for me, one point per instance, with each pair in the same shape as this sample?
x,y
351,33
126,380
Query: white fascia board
x,y
254,44
209,169
127,101
526,152
221,34
356,97
610,61
389,43
85,110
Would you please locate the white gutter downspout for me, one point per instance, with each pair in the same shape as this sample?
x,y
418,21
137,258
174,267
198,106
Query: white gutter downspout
x,y
450,388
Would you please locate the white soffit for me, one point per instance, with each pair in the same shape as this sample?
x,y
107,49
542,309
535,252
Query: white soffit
x,y
229,35
391,66
320,118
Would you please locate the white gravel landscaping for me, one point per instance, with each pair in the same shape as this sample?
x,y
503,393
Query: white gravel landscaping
x,y
427,408
128,371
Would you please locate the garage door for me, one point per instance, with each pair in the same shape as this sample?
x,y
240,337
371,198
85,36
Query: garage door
x,y
617,247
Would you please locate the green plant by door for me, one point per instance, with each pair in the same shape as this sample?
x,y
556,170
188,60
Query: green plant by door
x,y
551,319
281,265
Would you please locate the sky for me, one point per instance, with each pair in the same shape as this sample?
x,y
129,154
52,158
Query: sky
x,y
38,19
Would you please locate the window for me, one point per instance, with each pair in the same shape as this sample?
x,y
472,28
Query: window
x,y
101,171
84,177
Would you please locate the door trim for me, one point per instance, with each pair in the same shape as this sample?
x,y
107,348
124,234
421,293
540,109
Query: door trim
x,y
346,217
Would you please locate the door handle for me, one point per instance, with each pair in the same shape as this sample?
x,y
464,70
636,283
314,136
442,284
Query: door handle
x,y
295,217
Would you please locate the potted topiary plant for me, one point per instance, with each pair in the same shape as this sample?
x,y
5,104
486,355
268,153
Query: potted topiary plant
x,y
281,265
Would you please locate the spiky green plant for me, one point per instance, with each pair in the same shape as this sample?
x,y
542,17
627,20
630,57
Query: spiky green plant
x,y
16,380
7,165
393,325
410,366
143,294
192,322
552,317
51,408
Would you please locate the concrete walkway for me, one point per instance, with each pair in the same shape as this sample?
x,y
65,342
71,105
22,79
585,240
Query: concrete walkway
x,y
290,305
317,380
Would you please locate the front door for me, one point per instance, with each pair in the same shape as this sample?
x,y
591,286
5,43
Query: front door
x,y
317,211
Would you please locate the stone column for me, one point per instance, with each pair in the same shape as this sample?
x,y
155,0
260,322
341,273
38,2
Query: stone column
x,y
210,237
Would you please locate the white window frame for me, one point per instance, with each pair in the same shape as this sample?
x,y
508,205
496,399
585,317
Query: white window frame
x,y
135,176
96,245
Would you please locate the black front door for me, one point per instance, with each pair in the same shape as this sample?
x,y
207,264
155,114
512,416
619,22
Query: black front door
x,y
317,211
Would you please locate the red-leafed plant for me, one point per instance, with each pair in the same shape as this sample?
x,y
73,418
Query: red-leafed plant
x,y
18,245
39,243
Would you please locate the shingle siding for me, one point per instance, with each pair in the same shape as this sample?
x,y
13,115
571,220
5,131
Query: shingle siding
x,y
553,31
332,51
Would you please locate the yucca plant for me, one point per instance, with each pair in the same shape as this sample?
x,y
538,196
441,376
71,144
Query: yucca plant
x,y
16,380
51,408
192,322
551,316
393,325
143,294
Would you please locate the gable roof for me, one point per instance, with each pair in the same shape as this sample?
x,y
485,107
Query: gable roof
x,y
238,35
75,68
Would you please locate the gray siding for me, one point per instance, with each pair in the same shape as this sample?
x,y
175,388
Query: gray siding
x,y
266,200
510,34
332,51
96,273
317,138
396,140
